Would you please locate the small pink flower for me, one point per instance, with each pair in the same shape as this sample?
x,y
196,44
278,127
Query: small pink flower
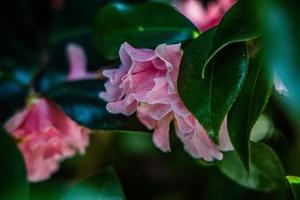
x,y
146,82
78,63
46,135
204,18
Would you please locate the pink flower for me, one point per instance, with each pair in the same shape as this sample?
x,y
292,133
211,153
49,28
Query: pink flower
x,y
204,18
46,135
78,63
146,82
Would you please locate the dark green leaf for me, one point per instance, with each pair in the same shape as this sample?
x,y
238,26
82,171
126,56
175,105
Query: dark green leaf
x,y
48,190
210,99
295,185
13,88
265,173
142,25
73,24
102,186
80,100
249,106
238,24
13,184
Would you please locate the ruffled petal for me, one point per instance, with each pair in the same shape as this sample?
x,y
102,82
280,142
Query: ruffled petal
x,y
161,134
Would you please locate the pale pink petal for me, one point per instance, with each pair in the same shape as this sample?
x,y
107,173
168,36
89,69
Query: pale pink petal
x,y
224,140
144,116
122,107
185,125
112,93
140,55
158,111
14,123
170,54
161,133
159,93
199,145
77,63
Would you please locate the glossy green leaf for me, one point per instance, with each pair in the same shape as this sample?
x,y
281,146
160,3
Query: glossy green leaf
x,y
210,99
80,100
238,24
280,24
142,25
249,106
265,172
102,186
295,185
13,184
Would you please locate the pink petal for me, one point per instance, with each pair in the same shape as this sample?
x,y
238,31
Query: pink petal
x,y
159,93
224,140
140,55
197,143
161,134
158,111
144,117
77,63
122,107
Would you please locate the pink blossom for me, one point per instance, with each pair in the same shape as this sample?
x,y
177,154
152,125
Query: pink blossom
x,y
78,63
146,82
204,18
46,136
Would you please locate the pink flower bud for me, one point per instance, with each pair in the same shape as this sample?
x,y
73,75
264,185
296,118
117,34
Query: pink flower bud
x,y
46,135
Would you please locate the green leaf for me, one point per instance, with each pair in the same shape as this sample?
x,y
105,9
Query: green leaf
x,y
249,106
210,99
142,25
102,186
295,185
13,184
238,25
280,24
51,189
265,172
81,101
